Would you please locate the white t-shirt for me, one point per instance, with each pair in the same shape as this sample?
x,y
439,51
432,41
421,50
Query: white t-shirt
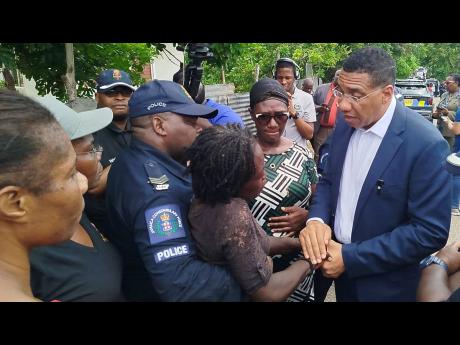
x,y
304,105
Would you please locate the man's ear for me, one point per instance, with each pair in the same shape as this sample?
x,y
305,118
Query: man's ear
x,y
388,92
13,203
158,125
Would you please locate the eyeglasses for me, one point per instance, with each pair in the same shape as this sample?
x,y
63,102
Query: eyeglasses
x,y
447,82
94,151
114,92
340,95
265,118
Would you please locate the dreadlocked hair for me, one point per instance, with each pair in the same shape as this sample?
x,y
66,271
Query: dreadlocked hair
x,y
221,162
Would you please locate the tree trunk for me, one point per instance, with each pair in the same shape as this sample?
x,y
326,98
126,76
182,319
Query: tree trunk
x,y
69,77
223,74
9,80
257,73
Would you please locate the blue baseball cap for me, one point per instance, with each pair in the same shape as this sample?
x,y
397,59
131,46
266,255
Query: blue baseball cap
x,y
111,78
161,96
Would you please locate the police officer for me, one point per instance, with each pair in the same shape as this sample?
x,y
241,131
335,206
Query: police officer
x,y
114,89
148,198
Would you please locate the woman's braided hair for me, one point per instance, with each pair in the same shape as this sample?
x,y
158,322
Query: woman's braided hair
x,y
221,162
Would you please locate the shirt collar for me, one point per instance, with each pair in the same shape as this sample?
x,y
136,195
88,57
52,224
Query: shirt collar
x,y
114,128
381,126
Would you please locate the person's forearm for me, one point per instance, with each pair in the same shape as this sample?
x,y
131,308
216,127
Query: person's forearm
x,y
433,285
305,128
282,284
282,245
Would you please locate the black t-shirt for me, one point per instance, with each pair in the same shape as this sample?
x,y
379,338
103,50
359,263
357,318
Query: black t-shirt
x,y
113,140
70,271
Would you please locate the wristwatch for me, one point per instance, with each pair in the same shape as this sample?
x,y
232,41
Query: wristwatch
x,y
429,260
295,116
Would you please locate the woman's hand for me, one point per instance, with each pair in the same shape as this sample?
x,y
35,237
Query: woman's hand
x,y
293,222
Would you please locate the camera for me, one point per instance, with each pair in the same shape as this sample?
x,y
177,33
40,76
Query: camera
x,y
197,53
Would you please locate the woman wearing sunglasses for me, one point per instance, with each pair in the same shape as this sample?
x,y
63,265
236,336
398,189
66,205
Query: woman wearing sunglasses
x,y
86,267
281,206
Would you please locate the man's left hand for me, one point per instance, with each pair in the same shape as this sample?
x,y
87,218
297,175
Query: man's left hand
x,y
334,266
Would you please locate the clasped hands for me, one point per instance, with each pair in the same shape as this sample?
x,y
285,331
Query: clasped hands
x,y
323,252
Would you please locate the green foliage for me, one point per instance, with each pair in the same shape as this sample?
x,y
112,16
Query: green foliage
x,y
240,59
46,63
2,84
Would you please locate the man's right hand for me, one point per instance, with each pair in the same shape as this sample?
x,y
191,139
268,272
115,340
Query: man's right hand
x,y
314,239
451,256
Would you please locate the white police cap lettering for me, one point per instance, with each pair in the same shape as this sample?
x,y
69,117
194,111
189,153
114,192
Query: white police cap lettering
x,y
156,104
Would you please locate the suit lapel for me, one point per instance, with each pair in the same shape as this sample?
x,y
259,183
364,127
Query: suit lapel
x,y
384,156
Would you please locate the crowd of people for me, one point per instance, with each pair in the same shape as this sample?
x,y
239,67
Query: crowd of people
x,y
158,196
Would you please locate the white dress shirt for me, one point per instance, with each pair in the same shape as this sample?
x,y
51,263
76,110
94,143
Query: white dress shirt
x,y
361,152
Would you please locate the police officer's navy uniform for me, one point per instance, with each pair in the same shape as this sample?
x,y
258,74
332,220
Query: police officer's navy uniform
x,y
112,139
148,197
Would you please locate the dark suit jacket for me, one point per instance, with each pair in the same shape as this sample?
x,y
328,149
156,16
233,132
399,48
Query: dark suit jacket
x,y
397,227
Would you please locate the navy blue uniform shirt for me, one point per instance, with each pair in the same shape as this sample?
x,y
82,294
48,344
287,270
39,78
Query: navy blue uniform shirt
x,y
148,198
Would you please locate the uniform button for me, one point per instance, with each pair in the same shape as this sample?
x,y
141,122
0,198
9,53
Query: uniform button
x,y
272,165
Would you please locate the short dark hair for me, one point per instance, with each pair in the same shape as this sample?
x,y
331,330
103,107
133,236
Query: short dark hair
x,y
221,162
25,142
374,61
285,64
456,77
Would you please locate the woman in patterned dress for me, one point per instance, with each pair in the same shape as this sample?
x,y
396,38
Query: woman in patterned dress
x,y
281,207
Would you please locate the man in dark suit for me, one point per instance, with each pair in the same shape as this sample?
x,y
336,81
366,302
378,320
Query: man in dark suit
x,y
384,193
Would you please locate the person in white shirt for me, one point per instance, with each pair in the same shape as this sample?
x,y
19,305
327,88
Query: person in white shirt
x,y
384,191
302,114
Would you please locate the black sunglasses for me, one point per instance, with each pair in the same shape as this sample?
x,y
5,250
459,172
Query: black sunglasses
x,y
280,117
124,92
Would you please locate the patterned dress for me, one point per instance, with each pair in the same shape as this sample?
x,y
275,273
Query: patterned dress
x,y
289,178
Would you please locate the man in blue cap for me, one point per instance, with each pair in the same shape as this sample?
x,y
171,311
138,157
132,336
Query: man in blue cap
x,y
114,89
148,198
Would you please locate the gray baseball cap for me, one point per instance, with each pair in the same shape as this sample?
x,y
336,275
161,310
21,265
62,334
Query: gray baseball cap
x,y
76,125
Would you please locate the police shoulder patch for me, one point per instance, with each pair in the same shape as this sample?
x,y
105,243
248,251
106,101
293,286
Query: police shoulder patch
x,y
164,223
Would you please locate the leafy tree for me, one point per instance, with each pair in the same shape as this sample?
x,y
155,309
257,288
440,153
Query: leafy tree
x,y
46,63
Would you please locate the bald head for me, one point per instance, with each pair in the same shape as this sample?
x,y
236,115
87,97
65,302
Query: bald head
x,y
307,86
336,77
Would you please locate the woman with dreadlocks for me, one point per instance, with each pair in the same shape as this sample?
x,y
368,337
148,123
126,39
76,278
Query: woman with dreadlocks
x,y
227,168
281,207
